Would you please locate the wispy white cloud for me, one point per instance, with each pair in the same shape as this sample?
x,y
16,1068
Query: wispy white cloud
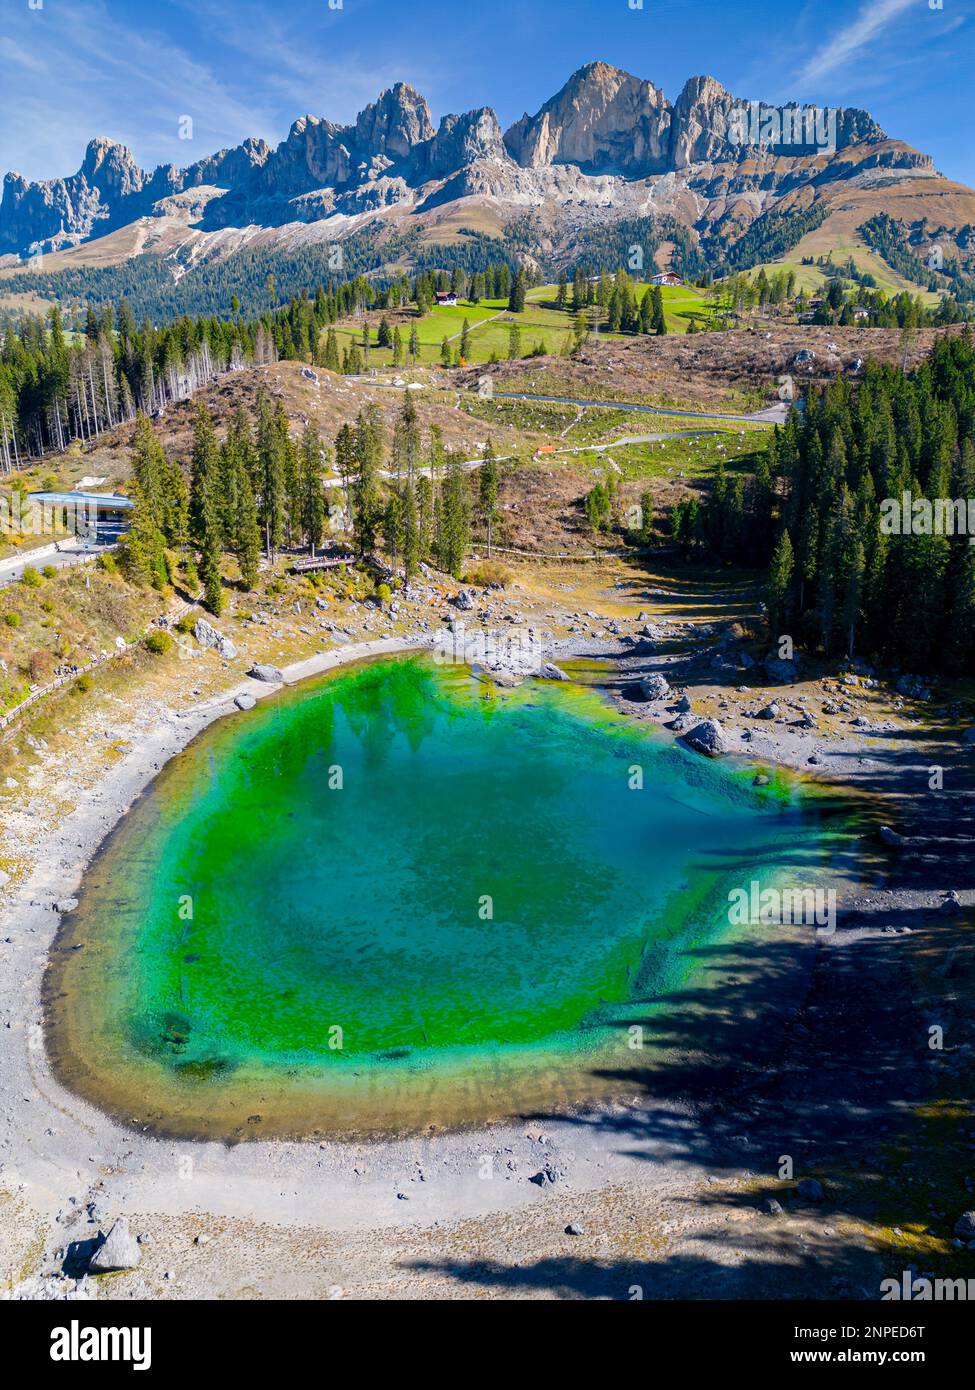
x,y
106,77
848,43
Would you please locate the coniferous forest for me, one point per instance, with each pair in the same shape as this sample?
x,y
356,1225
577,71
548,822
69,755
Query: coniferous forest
x,y
846,576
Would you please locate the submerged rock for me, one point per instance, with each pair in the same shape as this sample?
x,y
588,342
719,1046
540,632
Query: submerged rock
x,y
120,1250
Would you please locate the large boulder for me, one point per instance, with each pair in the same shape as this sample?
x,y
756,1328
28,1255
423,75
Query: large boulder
x,y
208,636
463,601
965,1226
548,671
708,737
778,669
120,1250
269,674
655,686
914,687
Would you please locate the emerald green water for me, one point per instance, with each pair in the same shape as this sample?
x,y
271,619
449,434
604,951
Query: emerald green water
x,y
392,886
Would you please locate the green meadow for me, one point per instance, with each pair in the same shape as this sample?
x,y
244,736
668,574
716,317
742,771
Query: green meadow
x,y
541,324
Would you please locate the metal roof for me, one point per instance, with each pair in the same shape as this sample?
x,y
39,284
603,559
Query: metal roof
x,y
79,499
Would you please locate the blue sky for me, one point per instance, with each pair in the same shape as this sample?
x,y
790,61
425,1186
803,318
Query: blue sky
x,y
129,69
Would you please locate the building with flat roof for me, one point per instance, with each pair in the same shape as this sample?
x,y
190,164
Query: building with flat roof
x,y
96,517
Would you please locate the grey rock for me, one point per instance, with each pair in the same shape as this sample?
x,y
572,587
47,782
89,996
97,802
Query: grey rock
x,y
208,636
573,1230
245,701
63,905
771,1207
771,711
269,674
709,738
655,686
964,1227
811,1189
120,1250
463,601
778,669
550,672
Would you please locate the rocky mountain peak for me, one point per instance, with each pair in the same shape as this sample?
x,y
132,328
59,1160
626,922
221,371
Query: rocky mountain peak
x,y
111,168
604,120
395,123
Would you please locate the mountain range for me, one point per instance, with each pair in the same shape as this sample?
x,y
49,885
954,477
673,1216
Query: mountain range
x,y
606,148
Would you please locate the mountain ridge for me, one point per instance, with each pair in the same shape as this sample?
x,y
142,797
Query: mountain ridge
x,y
607,146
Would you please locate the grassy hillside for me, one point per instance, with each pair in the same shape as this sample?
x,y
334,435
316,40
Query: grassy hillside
x,y
489,323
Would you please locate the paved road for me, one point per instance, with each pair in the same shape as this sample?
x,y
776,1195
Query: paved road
x,y
773,414
13,567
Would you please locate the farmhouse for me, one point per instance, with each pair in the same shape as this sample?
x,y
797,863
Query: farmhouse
x,y
446,297
667,277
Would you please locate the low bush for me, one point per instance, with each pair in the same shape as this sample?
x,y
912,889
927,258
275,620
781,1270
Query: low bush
x,y
159,642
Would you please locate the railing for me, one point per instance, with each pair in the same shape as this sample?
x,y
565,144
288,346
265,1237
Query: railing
x,y
84,559
60,682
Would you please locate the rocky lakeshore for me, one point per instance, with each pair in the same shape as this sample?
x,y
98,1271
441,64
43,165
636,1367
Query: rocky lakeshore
x,y
676,1189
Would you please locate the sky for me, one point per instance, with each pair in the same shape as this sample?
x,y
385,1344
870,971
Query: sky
x,y
131,70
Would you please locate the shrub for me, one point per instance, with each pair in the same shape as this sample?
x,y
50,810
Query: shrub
x,y
384,594
30,578
49,571
489,572
83,684
39,666
108,563
158,642
186,624
12,619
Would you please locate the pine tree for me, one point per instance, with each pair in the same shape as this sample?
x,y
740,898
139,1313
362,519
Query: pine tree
x,y
779,583
330,360
516,302
271,477
488,489
312,494
204,471
142,554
